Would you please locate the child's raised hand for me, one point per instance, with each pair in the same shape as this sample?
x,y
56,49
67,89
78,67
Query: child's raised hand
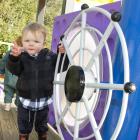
x,y
15,50
61,48
1,75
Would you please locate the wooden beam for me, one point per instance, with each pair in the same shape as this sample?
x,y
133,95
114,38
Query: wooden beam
x,y
63,7
41,11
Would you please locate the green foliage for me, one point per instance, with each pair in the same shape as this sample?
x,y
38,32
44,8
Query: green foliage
x,y
53,9
2,50
15,14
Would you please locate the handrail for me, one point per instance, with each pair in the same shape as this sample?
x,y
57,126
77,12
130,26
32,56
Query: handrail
x,y
6,43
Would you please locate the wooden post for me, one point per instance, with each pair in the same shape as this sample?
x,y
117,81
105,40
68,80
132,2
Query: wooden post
x,y
63,7
41,11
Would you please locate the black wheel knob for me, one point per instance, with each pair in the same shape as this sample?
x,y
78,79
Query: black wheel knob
x,y
129,87
61,37
74,84
84,6
116,16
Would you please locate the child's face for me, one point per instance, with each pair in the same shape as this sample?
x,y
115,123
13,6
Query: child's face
x,y
32,43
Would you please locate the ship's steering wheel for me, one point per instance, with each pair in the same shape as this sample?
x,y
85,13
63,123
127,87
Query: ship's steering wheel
x,y
77,90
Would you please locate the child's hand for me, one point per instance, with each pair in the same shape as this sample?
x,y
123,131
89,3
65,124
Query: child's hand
x,y
15,50
1,75
61,48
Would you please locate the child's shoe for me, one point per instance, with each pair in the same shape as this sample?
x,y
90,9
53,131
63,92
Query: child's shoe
x,y
7,106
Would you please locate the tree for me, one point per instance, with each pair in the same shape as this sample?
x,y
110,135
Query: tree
x,y
15,14
53,9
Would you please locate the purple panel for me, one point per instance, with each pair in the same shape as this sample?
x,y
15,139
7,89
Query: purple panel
x,y
61,23
138,135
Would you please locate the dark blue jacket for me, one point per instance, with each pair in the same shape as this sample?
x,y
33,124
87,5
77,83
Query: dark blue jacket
x,y
35,74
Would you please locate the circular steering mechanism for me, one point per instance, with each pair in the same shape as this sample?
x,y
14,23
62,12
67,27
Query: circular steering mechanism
x,y
79,102
74,84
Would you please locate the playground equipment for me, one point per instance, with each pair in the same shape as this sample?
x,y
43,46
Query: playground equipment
x,y
78,91
130,26
75,5
7,44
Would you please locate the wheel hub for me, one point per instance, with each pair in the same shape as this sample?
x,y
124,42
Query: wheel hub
x,y
74,84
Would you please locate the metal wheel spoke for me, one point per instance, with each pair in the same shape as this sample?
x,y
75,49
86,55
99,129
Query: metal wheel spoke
x,y
59,82
92,120
64,112
82,37
76,128
105,86
100,45
68,51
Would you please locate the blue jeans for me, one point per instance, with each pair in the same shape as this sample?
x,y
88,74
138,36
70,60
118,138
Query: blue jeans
x,y
27,119
9,94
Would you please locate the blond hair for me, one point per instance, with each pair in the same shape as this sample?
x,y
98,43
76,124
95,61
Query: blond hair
x,y
35,28
19,41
